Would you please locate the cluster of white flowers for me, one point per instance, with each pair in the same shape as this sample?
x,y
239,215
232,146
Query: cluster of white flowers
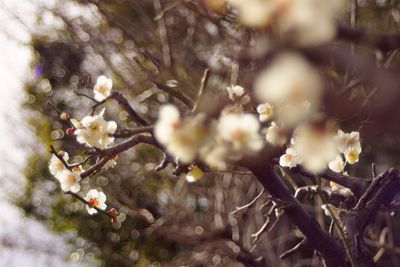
x,y
349,146
69,181
304,21
93,131
182,138
316,147
233,135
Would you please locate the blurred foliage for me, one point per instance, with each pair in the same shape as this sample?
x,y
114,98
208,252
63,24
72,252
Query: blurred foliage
x,y
162,218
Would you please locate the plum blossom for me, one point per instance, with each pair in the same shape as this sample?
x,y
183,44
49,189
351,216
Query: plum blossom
x,y
258,14
337,165
237,94
292,86
182,138
352,156
102,88
69,180
306,22
241,132
348,141
95,199
265,111
290,159
276,135
214,154
94,131
186,141
314,143
349,144
309,22
56,166
168,122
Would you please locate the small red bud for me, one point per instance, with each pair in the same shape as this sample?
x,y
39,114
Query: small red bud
x,y
64,116
113,215
70,131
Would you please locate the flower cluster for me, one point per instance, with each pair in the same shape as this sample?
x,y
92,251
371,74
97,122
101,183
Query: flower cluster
x,y
304,21
316,147
214,141
92,131
69,179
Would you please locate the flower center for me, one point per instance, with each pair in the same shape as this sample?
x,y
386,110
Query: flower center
x,y
93,202
93,126
70,179
238,135
102,88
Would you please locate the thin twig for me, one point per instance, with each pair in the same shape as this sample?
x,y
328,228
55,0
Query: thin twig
x,y
248,204
203,85
338,225
169,7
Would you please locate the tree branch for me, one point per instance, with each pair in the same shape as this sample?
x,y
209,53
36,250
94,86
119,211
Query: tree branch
x,y
331,250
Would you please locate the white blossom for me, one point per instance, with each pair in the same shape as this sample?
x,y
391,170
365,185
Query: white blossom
x,y
290,159
69,180
168,122
102,88
237,94
186,141
256,13
56,166
306,22
337,165
309,22
352,156
241,131
348,141
314,143
94,131
265,111
292,86
276,135
215,155
95,199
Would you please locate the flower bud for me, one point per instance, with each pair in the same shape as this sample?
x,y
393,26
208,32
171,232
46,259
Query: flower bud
x,y
113,214
64,116
70,131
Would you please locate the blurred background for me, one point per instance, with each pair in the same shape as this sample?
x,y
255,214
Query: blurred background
x,y
49,49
